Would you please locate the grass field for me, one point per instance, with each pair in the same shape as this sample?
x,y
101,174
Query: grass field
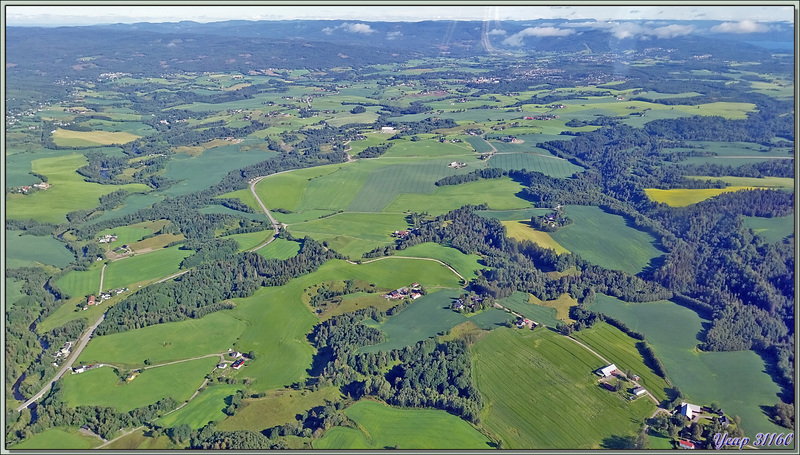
x,y
277,408
479,144
562,305
250,239
132,204
427,317
428,147
69,138
771,229
764,182
499,194
198,173
606,240
734,379
381,427
540,393
27,250
80,283
68,192
619,348
142,440
466,264
287,190
554,167
13,290
155,243
280,249
521,230
135,269
60,439
352,234
681,197
245,196
100,387
206,407
126,235
520,302
513,215
210,334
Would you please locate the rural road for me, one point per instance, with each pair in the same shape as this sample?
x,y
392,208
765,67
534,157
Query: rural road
x,y
76,351
102,275
275,225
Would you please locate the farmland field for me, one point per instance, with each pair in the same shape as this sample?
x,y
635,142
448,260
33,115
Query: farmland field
x,y
521,230
466,264
141,440
520,302
59,438
352,233
681,197
499,194
540,393
513,215
277,408
764,182
280,249
80,283
620,349
198,173
380,426
68,191
771,229
160,343
208,406
562,305
552,166
101,386
250,240
726,377
148,266
26,250
133,203
606,240
69,138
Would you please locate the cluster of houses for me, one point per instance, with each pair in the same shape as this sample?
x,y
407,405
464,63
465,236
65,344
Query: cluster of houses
x,y
400,234
26,188
457,165
555,106
466,303
238,363
541,117
108,238
103,296
413,291
525,322
62,353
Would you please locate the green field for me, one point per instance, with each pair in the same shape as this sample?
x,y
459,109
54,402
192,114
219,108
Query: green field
x,y
68,191
381,427
771,229
125,234
734,379
58,439
142,440
100,387
287,190
80,283
562,305
198,173
428,147
250,240
764,182
620,349
606,240
206,407
499,194
352,234
142,267
280,249
132,204
522,230
277,408
13,290
69,138
479,144
540,393
681,197
427,317
245,196
513,215
27,250
465,264
520,303
160,343
548,165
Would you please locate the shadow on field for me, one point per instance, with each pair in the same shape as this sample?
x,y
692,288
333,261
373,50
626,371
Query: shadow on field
x,y
617,442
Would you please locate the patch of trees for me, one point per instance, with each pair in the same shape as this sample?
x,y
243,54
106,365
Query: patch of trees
x,y
103,168
375,150
208,251
312,423
208,438
783,414
207,288
424,126
31,227
488,173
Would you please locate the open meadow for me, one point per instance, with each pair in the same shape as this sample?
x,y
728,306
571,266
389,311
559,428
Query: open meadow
x,y
771,229
142,440
280,249
681,197
28,250
606,240
522,230
736,380
541,393
81,283
521,303
58,438
277,408
380,427
208,406
143,267
69,138
465,264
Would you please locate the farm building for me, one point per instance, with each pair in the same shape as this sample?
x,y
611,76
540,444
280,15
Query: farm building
x,y
689,410
222,365
724,421
387,129
235,354
91,300
639,391
685,444
237,364
607,370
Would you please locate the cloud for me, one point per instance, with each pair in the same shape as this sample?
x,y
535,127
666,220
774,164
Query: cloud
x,y
671,31
497,31
745,26
350,28
625,30
393,35
516,38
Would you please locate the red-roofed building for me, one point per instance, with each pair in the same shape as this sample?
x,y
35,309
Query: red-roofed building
x,y
685,444
91,300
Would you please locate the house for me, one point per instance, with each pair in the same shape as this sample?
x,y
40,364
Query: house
x,y
635,377
235,354
65,350
222,365
639,391
683,444
607,370
689,410
387,129
237,364
80,369
524,322
42,186
415,295
724,421
458,305
91,300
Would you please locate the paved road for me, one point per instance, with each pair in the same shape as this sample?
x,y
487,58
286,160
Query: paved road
x,y
275,225
76,352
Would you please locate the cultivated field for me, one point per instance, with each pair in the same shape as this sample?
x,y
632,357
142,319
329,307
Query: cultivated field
x,y
206,407
465,264
681,197
541,393
58,438
522,230
142,440
102,387
381,427
69,138
198,173
764,182
520,302
562,305
149,266
771,229
80,283
674,333
280,249
353,234
499,194
606,240
27,250
277,408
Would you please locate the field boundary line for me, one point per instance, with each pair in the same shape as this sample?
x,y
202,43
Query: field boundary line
x,y
411,257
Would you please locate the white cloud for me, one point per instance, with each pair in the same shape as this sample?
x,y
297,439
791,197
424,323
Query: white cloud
x,y
624,30
497,31
393,35
350,28
516,38
744,26
671,31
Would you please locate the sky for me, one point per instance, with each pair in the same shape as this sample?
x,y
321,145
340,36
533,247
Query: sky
x,y
50,15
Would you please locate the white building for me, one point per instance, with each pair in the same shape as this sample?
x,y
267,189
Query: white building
x,y
689,410
607,370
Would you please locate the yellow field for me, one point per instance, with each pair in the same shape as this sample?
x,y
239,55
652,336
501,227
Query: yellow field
x,y
154,243
561,304
521,230
766,182
681,197
72,138
197,150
